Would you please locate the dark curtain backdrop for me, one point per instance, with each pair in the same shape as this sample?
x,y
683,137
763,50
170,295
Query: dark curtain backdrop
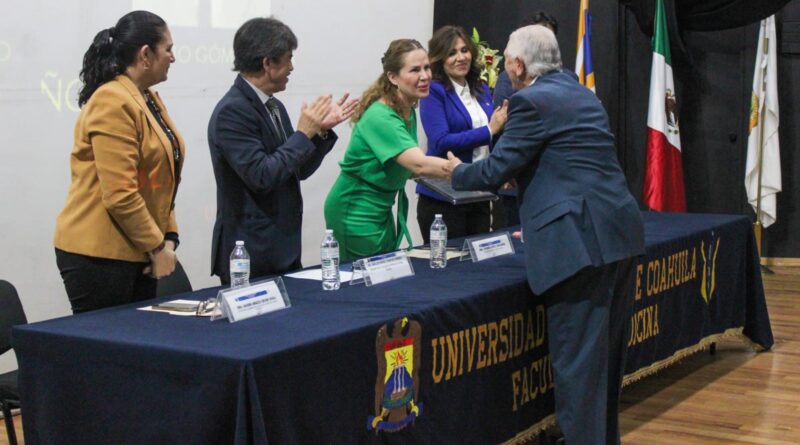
x,y
713,44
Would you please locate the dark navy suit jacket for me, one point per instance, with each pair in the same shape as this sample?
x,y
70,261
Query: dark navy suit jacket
x,y
258,183
502,89
576,210
448,125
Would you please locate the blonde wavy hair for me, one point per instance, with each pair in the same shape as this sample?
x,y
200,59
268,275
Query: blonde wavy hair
x,y
393,61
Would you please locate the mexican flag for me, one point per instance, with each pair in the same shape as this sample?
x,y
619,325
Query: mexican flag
x,y
663,174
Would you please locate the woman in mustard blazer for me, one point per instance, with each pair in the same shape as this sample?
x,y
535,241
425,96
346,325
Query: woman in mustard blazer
x,y
117,234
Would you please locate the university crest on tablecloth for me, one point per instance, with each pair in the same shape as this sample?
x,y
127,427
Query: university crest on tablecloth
x,y
398,352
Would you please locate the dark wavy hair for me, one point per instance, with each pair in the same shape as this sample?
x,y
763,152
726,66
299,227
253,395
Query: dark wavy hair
x,y
542,18
261,38
439,47
114,49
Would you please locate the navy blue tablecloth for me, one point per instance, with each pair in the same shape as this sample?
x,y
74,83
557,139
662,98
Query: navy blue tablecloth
x,y
311,373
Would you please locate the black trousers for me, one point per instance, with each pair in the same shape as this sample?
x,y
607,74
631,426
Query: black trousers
x,y
587,325
94,283
462,220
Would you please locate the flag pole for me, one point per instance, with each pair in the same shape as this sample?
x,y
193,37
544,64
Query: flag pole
x,y
757,224
762,112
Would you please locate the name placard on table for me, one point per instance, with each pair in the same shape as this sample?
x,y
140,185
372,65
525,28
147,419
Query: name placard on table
x,y
382,268
487,246
258,298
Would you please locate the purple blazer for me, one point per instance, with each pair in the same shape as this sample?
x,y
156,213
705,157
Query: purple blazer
x,y
448,125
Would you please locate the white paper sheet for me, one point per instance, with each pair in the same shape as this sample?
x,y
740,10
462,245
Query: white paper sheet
x,y
316,274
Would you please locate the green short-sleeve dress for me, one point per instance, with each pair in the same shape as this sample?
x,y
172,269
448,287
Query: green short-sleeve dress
x,y
359,206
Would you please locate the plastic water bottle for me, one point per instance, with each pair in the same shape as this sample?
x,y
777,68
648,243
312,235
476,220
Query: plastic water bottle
x,y
329,258
438,243
240,266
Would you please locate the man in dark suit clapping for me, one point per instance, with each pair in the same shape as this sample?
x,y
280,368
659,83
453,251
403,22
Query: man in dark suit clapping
x,y
580,224
259,159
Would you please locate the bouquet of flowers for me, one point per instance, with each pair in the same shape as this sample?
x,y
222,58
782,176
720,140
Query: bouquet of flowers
x,y
488,60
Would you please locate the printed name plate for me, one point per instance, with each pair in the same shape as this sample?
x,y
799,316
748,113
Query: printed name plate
x,y
382,268
488,246
258,298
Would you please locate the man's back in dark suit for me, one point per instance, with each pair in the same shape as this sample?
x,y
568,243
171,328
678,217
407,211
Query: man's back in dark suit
x,y
572,190
581,228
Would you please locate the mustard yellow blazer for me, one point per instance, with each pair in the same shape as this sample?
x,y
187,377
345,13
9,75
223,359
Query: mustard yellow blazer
x,y
119,204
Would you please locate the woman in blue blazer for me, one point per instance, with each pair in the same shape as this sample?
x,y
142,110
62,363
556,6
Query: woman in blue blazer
x,y
457,116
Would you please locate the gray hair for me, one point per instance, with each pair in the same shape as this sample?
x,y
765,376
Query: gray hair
x,y
537,47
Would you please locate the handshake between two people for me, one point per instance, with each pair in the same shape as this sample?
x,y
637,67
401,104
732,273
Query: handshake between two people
x,y
323,114
453,162
420,164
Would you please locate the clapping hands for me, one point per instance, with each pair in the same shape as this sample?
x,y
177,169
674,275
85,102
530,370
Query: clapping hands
x,y
324,114
312,116
339,112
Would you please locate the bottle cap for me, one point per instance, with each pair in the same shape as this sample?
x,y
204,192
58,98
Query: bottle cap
x,y
329,231
438,215
240,243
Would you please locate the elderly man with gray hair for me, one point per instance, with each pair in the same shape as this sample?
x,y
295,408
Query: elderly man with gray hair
x,y
581,228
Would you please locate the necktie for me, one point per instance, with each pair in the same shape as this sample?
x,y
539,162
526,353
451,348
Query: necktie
x,y
275,113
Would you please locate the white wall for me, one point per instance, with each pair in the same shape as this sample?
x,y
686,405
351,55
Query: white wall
x,y
41,47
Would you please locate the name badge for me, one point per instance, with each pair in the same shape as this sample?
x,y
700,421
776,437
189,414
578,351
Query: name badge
x,y
382,268
256,299
488,246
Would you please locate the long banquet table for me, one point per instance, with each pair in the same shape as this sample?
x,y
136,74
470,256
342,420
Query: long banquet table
x,y
466,345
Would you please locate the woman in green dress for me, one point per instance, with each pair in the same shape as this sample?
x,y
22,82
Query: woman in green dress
x,y
383,153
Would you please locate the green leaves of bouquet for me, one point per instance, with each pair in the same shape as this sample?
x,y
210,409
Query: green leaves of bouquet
x,y
488,60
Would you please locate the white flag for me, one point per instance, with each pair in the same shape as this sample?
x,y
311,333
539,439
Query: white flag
x,y
762,144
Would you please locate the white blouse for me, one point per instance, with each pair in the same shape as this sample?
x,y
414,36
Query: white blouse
x,y
479,118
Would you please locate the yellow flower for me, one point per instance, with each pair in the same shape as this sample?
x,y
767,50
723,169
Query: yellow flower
x,y
488,60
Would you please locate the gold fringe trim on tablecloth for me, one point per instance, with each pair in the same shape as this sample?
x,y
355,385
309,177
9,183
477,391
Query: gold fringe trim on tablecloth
x,y
686,352
532,432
